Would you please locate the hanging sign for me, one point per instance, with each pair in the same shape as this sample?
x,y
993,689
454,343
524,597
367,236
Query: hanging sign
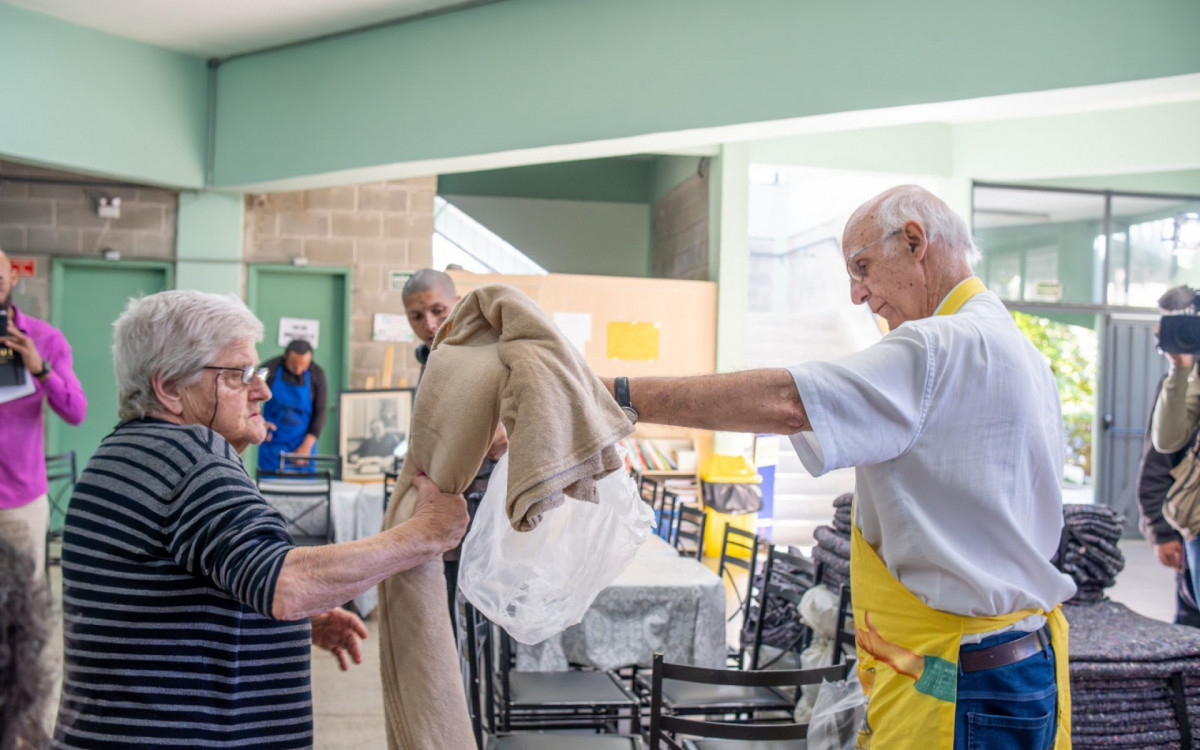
x,y
291,329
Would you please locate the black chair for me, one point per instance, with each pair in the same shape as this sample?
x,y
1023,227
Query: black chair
x,y
305,501
571,699
665,514
648,488
668,724
389,486
290,463
739,551
844,635
477,659
785,579
690,525
61,475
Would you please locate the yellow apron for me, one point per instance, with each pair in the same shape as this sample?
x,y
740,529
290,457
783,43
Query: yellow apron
x,y
908,651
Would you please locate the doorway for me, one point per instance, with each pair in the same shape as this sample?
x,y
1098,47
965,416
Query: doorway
x,y
86,297
317,294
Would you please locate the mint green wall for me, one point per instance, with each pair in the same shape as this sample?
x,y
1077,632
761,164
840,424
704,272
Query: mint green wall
x,y
1181,182
86,101
1136,139
620,180
525,74
209,232
670,171
729,254
585,237
926,148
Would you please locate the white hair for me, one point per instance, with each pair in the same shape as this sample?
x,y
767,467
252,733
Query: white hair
x,y
900,204
173,335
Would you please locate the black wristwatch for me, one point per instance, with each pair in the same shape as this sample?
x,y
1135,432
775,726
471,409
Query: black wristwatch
x,y
45,370
621,393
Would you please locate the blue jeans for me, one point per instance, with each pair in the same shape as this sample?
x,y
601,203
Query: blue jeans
x,y
1014,706
1191,554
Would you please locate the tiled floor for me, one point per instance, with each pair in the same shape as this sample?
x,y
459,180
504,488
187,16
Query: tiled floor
x,y
348,706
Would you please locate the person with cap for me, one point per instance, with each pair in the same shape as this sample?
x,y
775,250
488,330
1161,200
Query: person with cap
x,y
295,414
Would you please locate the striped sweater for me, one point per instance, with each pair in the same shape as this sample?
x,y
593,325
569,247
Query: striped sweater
x,y
170,557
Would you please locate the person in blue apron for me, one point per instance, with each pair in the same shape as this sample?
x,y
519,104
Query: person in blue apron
x,y
296,412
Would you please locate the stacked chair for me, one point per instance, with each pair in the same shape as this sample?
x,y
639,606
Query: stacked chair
x,y
519,710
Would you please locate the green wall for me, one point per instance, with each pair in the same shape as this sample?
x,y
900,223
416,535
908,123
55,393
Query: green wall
x,y
620,180
86,101
562,236
531,74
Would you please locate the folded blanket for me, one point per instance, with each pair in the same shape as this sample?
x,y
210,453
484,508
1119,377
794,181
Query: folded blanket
x,y
497,358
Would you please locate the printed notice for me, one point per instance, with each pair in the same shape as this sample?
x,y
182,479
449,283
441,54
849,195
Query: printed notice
x,y
633,341
291,329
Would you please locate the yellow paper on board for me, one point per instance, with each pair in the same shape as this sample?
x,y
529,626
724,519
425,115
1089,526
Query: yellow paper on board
x,y
633,341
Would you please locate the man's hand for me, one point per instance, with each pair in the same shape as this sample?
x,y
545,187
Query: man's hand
x,y
1170,554
339,632
443,515
23,345
1181,361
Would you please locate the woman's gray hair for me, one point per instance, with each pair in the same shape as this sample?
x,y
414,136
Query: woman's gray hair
x,y
900,204
173,335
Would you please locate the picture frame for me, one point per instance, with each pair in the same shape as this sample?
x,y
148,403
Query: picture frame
x,y
372,426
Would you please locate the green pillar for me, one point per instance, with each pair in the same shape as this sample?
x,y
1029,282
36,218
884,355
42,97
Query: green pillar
x,y
729,251
209,242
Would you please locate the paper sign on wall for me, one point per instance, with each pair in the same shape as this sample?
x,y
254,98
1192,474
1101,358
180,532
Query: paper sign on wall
x,y
25,267
633,341
576,326
397,280
389,327
291,329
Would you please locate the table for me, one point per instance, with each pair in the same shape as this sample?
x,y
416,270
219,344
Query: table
x,y
356,510
660,602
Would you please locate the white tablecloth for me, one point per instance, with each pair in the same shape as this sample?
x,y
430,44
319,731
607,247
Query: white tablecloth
x,y
661,602
356,511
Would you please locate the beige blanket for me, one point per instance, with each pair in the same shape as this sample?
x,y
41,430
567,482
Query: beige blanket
x,y
497,358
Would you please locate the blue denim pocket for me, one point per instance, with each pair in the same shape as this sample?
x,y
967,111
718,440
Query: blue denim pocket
x,y
991,732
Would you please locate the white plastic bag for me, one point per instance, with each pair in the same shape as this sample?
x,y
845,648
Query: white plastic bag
x,y
537,583
840,710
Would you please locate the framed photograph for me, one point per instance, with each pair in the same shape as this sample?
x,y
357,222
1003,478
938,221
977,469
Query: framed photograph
x,y
372,431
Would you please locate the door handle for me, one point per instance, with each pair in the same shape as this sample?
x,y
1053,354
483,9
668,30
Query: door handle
x,y
1107,421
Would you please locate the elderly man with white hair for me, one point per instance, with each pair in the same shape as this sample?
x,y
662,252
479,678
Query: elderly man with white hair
x,y
953,424
188,611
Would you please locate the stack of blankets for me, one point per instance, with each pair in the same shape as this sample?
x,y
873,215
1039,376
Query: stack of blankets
x,y
1088,551
782,629
832,551
1133,680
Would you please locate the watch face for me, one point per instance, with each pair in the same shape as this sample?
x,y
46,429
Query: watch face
x,y
630,412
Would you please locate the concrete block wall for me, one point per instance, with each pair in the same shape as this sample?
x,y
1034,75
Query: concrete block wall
x,y
45,220
680,231
373,228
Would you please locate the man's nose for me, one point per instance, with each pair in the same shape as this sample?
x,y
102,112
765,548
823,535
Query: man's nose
x,y
858,292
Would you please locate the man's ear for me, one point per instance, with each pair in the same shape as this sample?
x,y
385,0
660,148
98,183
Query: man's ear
x,y
916,239
168,394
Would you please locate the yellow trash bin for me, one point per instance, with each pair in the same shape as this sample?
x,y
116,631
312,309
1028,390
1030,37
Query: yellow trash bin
x,y
731,495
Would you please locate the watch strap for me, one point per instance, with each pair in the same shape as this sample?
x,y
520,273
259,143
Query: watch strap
x,y
45,369
621,392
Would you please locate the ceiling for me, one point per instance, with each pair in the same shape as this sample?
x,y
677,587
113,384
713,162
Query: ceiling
x,y
223,28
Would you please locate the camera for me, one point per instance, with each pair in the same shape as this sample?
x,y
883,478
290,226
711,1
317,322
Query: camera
x,y
3,322
1179,328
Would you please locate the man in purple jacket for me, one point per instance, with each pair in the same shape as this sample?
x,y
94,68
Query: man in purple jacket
x,y
24,507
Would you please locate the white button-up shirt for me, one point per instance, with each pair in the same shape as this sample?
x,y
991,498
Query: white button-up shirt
x,y
954,426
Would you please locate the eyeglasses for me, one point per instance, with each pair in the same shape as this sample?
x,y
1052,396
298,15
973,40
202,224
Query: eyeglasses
x,y
852,268
249,372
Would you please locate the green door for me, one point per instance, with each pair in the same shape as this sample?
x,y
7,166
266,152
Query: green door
x,y
86,296
320,293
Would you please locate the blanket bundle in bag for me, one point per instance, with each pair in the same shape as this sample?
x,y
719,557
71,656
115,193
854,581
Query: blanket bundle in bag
x,y
497,358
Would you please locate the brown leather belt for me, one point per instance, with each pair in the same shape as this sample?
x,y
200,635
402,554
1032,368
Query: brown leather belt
x,y
1003,654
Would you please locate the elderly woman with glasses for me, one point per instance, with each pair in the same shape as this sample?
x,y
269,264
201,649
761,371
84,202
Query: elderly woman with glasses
x,y
188,611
